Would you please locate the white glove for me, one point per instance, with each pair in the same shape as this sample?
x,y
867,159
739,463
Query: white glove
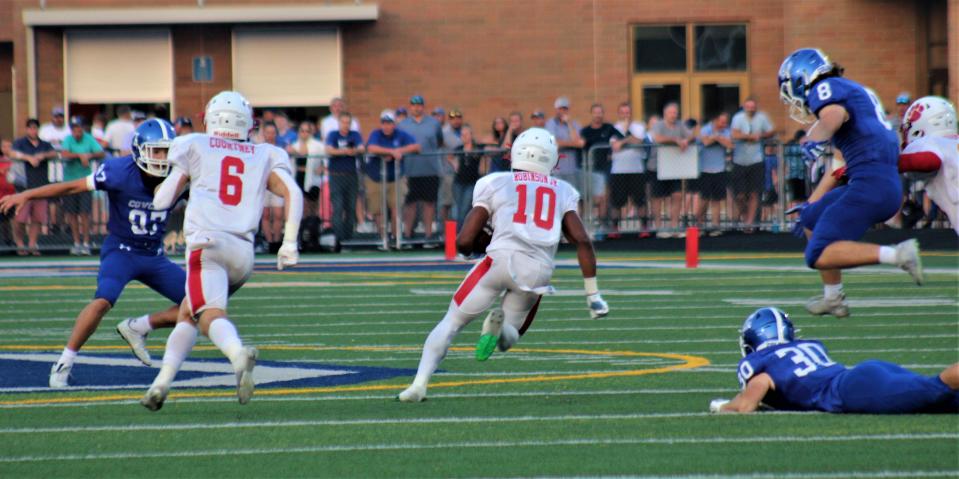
x,y
597,306
288,255
716,405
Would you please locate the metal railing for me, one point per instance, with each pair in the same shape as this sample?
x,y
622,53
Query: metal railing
x,y
402,217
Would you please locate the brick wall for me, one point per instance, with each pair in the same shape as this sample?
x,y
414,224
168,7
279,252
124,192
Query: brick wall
x,y
492,56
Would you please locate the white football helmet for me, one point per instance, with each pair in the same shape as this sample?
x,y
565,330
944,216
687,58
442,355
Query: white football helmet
x,y
534,150
229,115
928,116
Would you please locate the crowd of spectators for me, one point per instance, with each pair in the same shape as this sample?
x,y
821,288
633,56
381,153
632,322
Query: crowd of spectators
x,y
419,168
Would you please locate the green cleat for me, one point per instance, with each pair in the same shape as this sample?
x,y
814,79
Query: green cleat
x,y
485,346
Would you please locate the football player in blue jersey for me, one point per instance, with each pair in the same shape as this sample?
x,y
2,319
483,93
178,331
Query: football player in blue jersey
x,y
133,250
785,373
849,116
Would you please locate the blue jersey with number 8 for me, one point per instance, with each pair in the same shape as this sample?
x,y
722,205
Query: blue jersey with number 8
x,y
132,217
802,372
866,138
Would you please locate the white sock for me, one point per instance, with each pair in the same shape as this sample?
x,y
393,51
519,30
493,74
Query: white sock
x,y
437,345
224,335
832,291
141,325
887,255
178,346
67,357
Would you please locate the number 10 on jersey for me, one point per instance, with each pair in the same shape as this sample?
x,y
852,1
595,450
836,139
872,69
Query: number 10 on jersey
x,y
543,194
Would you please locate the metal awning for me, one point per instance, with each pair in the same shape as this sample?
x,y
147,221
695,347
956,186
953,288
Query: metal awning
x,y
194,15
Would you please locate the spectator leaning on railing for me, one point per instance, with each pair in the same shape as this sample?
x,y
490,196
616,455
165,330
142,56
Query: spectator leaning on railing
x,y
55,130
35,153
716,140
343,145
422,170
628,178
749,127
669,131
389,145
499,136
80,149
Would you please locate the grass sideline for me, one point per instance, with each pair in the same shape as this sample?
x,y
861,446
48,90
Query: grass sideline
x,y
499,418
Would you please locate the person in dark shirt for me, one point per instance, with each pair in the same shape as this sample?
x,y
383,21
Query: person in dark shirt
x,y
598,133
467,161
34,152
343,145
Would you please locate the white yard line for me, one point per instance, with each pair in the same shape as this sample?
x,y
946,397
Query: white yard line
x,y
585,442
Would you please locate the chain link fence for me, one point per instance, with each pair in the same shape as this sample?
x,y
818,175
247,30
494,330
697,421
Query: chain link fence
x,y
641,190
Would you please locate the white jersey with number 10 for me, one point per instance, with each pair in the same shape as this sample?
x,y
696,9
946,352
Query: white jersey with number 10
x,y
227,182
526,211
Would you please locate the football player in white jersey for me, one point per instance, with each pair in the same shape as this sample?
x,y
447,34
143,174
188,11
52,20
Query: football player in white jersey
x,y
228,178
931,144
529,210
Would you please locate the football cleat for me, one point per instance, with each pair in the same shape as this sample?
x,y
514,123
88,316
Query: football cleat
x,y
244,378
414,393
60,375
907,258
837,307
597,306
155,396
492,326
136,341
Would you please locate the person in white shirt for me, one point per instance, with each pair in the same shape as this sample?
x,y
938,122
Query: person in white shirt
x,y
228,178
332,123
56,130
306,146
529,210
119,129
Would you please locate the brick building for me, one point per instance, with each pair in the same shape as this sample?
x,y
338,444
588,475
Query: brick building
x,y
485,57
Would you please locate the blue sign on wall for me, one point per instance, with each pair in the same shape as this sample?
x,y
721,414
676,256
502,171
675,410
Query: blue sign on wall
x,y
203,68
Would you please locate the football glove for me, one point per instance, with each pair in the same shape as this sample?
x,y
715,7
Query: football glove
x,y
797,209
597,306
716,405
287,256
813,150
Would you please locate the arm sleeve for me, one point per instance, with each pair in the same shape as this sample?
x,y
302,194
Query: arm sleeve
x,y
166,194
280,161
825,92
483,194
181,153
920,156
294,208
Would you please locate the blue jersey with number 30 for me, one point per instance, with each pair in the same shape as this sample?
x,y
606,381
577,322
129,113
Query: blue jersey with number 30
x,y
132,217
802,373
866,139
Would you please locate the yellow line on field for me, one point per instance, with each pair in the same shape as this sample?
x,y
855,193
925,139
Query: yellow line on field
x,y
689,362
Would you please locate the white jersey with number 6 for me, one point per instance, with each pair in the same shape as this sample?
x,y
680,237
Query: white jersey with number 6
x,y
227,182
526,211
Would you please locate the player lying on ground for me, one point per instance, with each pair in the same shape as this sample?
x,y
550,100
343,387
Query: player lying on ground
x,y
931,145
133,250
852,119
786,373
228,179
529,210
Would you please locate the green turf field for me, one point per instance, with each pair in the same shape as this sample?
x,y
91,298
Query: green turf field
x,y
622,396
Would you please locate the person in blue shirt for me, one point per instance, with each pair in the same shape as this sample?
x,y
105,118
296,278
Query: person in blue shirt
x,y
785,373
343,145
389,144
133,250
850,117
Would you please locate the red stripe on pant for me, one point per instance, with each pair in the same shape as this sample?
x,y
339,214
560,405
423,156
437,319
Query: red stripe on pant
x,y
470,282
530,316
195,281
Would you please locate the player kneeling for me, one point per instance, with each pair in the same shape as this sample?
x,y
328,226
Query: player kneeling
x,y
786,373
528,210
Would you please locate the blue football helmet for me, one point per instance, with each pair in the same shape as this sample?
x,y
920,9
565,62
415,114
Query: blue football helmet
x,y
796,75
765,327
152,136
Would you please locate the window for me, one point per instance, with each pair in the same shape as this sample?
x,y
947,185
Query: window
x,y
705,67
720,48
660,49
